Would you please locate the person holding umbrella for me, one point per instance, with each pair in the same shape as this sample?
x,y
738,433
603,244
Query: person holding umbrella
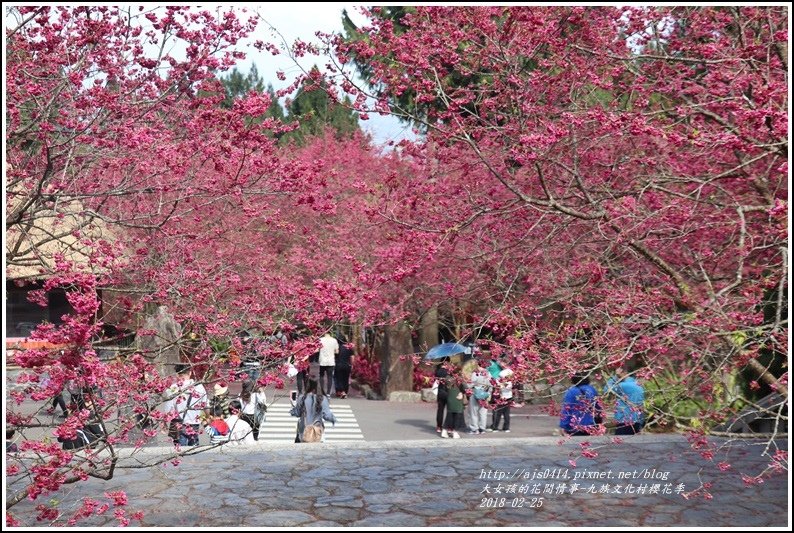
x,y
441,355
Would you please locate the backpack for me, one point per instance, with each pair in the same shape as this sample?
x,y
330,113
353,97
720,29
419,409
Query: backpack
x,y
312,433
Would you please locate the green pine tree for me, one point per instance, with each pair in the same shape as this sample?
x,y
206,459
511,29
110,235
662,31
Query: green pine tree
x,y
315,111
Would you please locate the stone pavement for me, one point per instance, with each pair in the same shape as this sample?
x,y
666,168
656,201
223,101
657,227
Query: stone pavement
x,y
444,483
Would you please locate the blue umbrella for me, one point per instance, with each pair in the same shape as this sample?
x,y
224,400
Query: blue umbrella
x,y
445,350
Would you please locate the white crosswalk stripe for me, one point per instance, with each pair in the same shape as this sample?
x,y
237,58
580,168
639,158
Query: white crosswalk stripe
x,y
280,426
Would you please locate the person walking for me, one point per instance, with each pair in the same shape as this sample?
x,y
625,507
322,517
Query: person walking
x,y
328,350
57,400
60,402
581,409
344,365
629,410
312,409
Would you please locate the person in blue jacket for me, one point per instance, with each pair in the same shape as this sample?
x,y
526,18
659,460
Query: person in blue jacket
x,y
629,412
581,408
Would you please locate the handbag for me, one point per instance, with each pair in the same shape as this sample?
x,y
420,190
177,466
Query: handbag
x,y
259,413
311,432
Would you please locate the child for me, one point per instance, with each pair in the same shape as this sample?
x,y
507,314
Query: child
x,y
217,426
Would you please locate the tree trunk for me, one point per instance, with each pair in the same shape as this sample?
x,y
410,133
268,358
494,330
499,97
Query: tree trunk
x,y
396,374
428,333
160,344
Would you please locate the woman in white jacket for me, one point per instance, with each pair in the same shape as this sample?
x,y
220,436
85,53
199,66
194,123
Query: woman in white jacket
x,y
240,431
254,405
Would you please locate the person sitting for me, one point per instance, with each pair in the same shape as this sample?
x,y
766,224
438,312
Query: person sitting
x,y
581,408
217,429
629,405
92,431
240,431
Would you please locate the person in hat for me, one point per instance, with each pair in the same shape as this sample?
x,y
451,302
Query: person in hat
x,y
220,399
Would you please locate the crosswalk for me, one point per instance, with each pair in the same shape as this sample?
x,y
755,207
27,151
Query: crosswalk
x,y
280,426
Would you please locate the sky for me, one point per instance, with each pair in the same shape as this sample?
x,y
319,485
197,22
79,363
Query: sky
x,y
301,21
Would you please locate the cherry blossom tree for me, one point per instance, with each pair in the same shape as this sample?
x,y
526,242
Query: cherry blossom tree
x,y
624,165
117,149
596,186
128,178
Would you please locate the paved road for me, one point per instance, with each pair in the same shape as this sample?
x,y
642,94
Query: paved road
x,y
444,483
386,466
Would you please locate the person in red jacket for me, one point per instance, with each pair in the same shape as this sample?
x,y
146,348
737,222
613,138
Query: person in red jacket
x,y
217,426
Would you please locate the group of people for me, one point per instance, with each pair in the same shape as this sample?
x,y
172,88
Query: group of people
x,y
468,397
331,366
485,389
464,397
583,413
238,420
222,418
